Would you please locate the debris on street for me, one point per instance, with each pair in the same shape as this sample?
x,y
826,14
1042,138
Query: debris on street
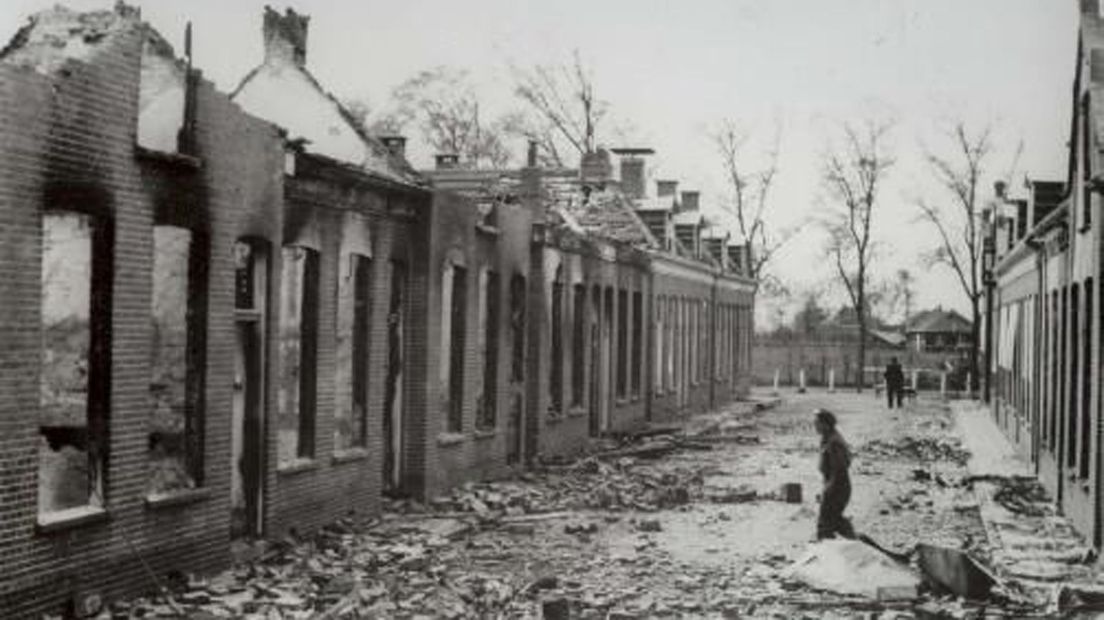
x,y
718,533
919,448
852,567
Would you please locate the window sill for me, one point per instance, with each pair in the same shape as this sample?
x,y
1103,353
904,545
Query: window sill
x,y
350,455
181,497
621,401
485,433
576,412
553,419
488,230
450,439
296,466
70,518
174,159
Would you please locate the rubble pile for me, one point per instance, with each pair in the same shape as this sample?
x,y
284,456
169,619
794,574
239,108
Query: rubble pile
x,y
1019,494
591,483
919,448
379,573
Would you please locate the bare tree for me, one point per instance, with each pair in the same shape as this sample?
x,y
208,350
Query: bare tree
x,y
853,175
567,112
749,193
957,218
444,106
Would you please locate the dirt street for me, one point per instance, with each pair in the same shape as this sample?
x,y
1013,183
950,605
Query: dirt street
x,y
700,531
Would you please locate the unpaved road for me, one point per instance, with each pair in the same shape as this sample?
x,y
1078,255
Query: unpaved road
x,y
683,535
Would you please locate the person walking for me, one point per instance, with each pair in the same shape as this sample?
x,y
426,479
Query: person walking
x,y
894,382
835,460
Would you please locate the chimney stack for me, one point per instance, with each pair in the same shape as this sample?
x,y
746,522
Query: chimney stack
x,y
285,36
999,189
531,155
447,161
690,200
596,168
736,257
1090,8
396,145
666,188
632,170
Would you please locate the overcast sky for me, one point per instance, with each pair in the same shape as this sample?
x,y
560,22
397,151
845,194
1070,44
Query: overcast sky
x,y
673,70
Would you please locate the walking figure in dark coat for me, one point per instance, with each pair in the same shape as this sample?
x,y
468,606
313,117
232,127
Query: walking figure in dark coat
x,y
895,382
835,459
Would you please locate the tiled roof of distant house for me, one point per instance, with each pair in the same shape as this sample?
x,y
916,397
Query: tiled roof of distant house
x,y
938,321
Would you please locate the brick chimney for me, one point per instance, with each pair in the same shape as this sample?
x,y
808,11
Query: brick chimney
x,y
596,168
736,257
396,145
632,177
690,200
666,188
715,246
1090,8
632,169
447,161
285,36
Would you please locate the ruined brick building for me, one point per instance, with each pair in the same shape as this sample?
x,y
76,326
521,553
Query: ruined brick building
x,y
234,316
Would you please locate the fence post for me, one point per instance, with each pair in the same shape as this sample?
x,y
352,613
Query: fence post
x,y
801,381
777,372
831,380
943,385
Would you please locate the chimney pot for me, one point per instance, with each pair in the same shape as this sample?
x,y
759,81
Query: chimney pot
x,y
285,36
531,156
999,189
396,145
595,167
447,161
666,188
690,200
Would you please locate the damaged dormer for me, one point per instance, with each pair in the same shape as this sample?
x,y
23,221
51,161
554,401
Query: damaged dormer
x,y
282,91
56,37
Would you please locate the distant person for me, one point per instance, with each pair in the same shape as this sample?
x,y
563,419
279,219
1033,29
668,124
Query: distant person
x,y
894,382
835,459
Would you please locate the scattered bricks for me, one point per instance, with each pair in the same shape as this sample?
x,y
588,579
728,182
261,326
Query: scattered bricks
x,y
649,525
580,528
556,609
791,493
897,593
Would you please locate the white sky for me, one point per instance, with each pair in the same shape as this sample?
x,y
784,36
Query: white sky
x,y
674,69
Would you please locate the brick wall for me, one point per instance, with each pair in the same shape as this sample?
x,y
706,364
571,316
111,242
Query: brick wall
x,y
71,136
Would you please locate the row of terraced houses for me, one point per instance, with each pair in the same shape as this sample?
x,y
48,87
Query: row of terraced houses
x,y
234,316
1043,323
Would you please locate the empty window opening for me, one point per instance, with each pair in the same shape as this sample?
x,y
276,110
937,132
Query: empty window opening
x,y
517,328
176,361
578,352
298,350
1072,395
73,394
1086,383
457,339
488,410
1055,371
658,342
556,360
622,343
637,367
354,295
